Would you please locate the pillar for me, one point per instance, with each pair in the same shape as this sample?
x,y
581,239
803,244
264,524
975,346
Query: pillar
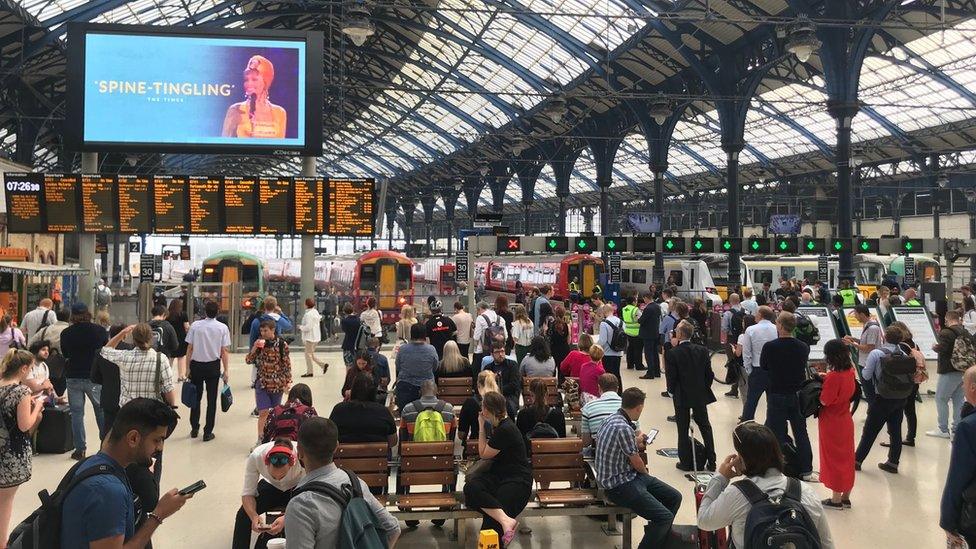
x,y
525,213
657,274
390,221
561,214
735,226
450,233
843,114
605,206
86,244
971,202
308,242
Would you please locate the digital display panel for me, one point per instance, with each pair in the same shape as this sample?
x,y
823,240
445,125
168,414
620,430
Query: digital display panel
x,y
98,204
239,204
204,196
309,205
274,203
23,201
61,203
193,90
170,204
135,204
351,207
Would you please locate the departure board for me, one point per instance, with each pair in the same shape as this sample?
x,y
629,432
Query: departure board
x,y
98,204
23,195
135,204
351,207
274,205
204,197
309,205
61,203
170,204
239,204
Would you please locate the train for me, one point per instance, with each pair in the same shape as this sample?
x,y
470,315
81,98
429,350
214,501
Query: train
x,y
691,277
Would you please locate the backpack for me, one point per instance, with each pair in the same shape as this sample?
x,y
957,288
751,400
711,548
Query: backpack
x,y
429,425
571,392
897,379
103,296
358,526
809,396
777,523
618,339
542,430
806,331
737,322
493,332
42,528
286,419
157,339
963,350
697,336
363,334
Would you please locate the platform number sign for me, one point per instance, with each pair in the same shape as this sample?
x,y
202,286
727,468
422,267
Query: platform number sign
x,y
147,267
135,247
614,276
509,244
461,267
910,271
823,270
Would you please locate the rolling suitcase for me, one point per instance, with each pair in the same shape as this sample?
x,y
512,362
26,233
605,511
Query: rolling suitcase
x,y
717,539
54,433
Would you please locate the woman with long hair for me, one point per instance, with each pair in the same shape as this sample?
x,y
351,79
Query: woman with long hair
x,y
296,409
836,425
408,317
362,364
574,361
468,422
522,331
177,318
909,346
371,318
453,364
539,361
501,308
10,335
20,414
256,115
537,410
557,334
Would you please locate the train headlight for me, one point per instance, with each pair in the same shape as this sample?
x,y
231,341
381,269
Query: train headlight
x,y
403,300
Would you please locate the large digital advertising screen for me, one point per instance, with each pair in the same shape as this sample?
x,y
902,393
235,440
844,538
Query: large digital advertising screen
x,y
142,88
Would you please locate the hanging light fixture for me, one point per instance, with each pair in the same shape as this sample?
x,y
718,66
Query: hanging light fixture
x,y
518,145
802,41
556,108
660,109
483,168
356,24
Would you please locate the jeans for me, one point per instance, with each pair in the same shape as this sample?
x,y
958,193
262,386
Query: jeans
x,y
911,417
269,498
948,387
635,350
654,501
758,382
651,349
78,389
612,366
881,412
205,374
783,408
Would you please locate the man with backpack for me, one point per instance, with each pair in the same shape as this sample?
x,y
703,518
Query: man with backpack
x,y
733,324
613,339
893,374
955,347
331,508
271,312
488,327
432,417
140,429
689,378
872,337
164,335
38,318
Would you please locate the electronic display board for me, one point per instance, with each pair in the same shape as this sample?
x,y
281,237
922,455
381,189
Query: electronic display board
x,y
135,204
24,196
98,204
274,205
61,203
351,207
194,90
170,204
204,198
239,204
309,205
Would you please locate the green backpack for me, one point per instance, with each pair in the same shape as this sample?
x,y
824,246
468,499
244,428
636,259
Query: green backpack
x,y
429,425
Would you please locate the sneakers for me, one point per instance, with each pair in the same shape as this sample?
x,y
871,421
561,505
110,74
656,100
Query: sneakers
x,y
888,467
857,465
937,433
810,477
829,504
78,455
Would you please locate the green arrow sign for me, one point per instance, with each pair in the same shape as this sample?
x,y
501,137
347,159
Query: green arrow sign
x,y
552,243
698,244
909,246
669,244
755,245
581,244
611,244
727,245
865,246
838,246
811,246
783,245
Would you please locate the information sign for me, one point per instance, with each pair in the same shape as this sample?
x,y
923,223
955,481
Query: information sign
x,y
919,322
204,197
854,325
61,203
169,204
614,273
823,270
98,204
147,267
239,204
134,204
24,193
274,202
351,207
461,267
309,205
910,270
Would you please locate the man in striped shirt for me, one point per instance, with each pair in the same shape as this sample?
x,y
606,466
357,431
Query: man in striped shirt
x,y
595,412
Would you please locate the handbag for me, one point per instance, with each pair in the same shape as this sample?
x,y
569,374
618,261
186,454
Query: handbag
x,y
477,469
188,395
226,398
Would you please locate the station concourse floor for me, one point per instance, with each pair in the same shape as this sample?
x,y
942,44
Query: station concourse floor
x,y
890,511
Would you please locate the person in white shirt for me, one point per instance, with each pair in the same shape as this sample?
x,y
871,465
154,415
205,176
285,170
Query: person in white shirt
x,y
38,318
208,341
757,336
311,336
486,317
463,321
749,302
371,318
611,357
758,457
271,472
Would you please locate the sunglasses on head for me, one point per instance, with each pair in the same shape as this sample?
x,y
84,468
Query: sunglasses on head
x,y
279,460
735,432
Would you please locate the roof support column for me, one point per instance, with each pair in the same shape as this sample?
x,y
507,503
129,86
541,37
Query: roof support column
x,y
409,207
391,208
450,196
499,176
843,114
528,174
971,207
472,193
604,150
732,151
657,274
428,202
561,214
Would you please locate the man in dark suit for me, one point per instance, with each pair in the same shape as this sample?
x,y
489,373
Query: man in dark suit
x,y
650,325
688,370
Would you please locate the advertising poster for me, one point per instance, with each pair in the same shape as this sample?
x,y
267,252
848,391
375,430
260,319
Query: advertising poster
x,y
855,326
920,324
194,90
822,319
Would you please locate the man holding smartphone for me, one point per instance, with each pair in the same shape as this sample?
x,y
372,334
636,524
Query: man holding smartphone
x,y
271,473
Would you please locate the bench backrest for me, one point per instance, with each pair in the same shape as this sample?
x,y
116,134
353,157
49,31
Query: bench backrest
x,y
454,389
427,463
367,460
552,389
558,460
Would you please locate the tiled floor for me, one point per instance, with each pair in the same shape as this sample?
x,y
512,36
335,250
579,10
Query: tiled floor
x,y
890,511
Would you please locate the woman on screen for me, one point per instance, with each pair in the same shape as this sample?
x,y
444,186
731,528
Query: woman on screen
x,y
256,116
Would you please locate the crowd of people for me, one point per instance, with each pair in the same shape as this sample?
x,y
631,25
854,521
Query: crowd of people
x,y
131,374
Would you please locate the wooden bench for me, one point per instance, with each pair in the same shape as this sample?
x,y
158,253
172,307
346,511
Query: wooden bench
x,y
552,389
427,464
561,460
455,390
369,462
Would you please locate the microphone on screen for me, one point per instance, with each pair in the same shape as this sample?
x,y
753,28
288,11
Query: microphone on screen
x,y
252,104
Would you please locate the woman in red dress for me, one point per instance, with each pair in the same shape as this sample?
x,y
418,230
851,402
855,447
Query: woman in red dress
x,y
837,426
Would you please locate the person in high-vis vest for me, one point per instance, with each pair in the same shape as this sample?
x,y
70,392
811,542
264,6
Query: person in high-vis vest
x,y
911,298
635,345
849,294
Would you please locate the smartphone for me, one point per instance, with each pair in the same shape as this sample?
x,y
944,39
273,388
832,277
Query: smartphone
x,y
272,516
193,488
650,436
